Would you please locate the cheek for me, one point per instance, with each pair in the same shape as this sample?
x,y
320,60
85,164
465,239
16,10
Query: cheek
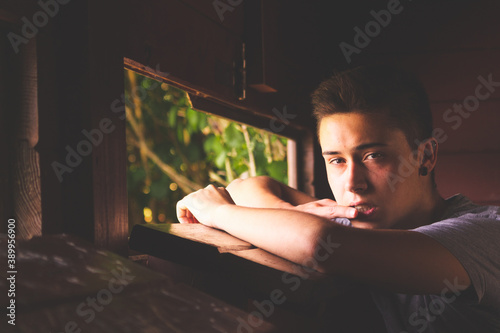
x,y
337,187
395,180
385,181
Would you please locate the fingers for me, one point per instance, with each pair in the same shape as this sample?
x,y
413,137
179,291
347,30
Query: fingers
x,y
326,202
328,208
183,213
333,211
199,206
344,211
191,217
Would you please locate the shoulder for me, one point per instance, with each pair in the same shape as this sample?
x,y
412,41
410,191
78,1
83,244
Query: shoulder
x,y
471,233
463,216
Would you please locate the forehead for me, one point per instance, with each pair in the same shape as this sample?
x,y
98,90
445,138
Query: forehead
x,y
347,130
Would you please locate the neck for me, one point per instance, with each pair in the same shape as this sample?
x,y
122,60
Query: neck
x,y
427,212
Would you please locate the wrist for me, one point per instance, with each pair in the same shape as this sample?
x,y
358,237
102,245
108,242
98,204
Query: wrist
x,y
220,214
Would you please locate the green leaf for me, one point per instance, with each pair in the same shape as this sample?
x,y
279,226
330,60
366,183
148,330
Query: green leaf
x,y
172,116
221,159
277,170
192,117
203,122
213,144
232,137
180,134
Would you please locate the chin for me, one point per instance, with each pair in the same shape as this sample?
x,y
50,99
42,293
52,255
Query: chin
x,y
366,224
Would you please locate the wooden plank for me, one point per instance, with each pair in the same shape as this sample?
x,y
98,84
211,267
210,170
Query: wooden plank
x,y
51,134
59,268
438,71
229,15
81,64
182,42
272,261
169,247
67,200
223,241
65,280
195,52
156,309
20,172
7,133
26,168
109,158
254,270
436,26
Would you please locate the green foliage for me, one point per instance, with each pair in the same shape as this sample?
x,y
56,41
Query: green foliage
x,y
174,149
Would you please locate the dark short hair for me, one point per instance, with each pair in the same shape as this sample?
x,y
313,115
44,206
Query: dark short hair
x,y
378,89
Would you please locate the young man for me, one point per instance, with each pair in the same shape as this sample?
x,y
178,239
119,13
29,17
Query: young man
x,y
433,264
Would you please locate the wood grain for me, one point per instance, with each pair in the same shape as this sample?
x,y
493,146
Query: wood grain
x,y
270,260
62,274
223,241
25,166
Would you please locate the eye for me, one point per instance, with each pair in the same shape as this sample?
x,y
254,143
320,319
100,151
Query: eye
x,y
335,160
373,156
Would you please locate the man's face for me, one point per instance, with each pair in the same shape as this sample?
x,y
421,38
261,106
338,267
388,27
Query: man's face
x,y
363,157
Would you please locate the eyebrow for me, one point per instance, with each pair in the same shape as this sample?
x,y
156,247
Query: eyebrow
x,y
360,147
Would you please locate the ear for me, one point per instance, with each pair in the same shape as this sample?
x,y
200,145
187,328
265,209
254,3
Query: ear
x,y
427,154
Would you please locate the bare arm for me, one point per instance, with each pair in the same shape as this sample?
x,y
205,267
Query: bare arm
x,y
265,192
401,261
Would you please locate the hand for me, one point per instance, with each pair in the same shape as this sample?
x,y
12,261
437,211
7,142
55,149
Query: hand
x,y
201,206
327,208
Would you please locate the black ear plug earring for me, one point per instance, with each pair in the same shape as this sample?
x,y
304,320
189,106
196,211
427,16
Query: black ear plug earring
x,y
423,171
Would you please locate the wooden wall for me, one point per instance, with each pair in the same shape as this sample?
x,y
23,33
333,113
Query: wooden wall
x,y
448,44
290,47
81,50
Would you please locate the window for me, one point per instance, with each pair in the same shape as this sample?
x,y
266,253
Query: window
x,y
174,149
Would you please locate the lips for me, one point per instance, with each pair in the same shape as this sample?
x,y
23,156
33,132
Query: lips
x,y
364,209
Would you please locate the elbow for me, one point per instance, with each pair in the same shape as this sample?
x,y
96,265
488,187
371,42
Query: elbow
x,y
240,184
321,251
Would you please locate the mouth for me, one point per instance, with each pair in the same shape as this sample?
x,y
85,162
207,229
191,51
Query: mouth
x,y
364,210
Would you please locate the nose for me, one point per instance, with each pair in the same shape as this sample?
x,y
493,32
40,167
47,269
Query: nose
x,y
355,178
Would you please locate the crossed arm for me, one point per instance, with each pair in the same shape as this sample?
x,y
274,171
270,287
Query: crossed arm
x,y
295,226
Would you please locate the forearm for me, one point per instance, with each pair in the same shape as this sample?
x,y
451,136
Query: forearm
x,y
265,192
290,234
383,258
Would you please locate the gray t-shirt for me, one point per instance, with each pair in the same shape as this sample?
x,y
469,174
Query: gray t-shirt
x,y
472,234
